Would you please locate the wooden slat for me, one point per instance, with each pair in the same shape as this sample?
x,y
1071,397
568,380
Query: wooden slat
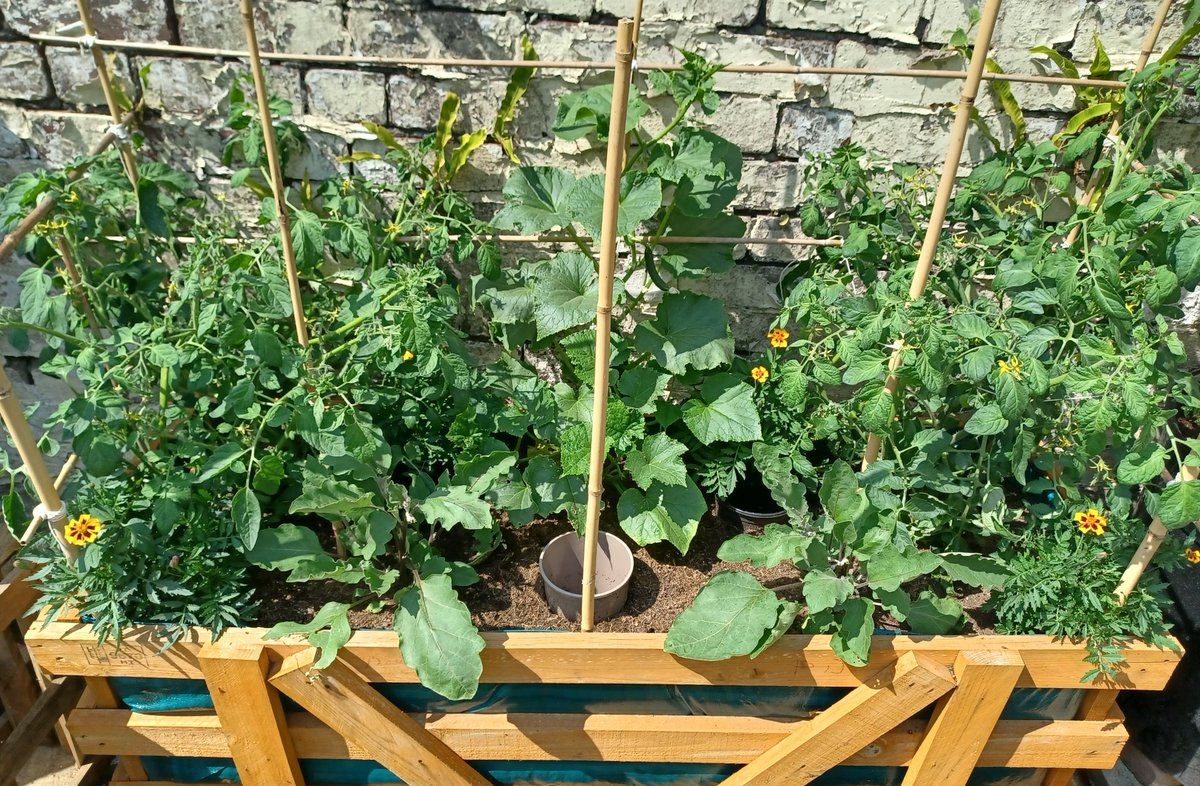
x,y
358,712
869,711
18,688
16,596
100,695
964,719
1096,705
251,714
35,726
622,658
628,738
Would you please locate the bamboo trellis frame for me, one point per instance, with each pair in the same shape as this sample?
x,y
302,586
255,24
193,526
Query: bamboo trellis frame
x,y
106,86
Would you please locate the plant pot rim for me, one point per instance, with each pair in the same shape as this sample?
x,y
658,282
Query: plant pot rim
x,y
620,585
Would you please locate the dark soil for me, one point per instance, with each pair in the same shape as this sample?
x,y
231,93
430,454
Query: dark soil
x,y
509,593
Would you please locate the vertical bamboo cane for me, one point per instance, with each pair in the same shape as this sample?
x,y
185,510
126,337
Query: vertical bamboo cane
x,y
35,464
1148,46
106,85
281,207
604,302
59,483
941,204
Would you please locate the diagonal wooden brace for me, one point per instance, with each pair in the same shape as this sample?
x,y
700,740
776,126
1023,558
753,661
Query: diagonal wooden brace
x,y
964,720
877,706
346,703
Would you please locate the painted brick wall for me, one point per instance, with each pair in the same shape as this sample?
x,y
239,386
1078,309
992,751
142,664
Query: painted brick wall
x,y
51,107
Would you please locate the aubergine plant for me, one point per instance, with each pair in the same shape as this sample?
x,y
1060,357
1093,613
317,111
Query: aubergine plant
x,y
674,396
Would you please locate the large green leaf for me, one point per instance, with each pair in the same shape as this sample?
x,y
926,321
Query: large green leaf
x,y
565,291
328,631
890,567
660,458
730,617
535,199
840,494
824,591
285,547
438,639
1179,504
453,505
778,543
852,640
641,197
1142,464
1186,254
706,170
590,112
725,411
933,615
221,459
328,496
697,260
247,516
976,570
641,388
988,419
689,330
670,513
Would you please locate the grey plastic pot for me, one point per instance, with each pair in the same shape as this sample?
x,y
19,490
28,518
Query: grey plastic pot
x,y
561,565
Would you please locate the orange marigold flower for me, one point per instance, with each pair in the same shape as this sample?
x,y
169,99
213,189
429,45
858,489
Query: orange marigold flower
x,y
82,530
1091,522
760,373
779,338
1193,555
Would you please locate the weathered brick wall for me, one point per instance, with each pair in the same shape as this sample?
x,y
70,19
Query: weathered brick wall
x,y
51,107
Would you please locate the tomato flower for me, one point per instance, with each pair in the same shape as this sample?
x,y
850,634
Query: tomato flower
x,y
1091,522
407,355
760,374
778,337
82,530
1011,366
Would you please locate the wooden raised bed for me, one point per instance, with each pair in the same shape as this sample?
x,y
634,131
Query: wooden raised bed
x,y
967,679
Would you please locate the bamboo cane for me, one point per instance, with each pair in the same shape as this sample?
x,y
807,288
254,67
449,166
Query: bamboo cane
x,y
85,305
43,208
564,65
52,508
561,238
604,303
1148,46
59,483
1155,535
106,85
273,163
962,122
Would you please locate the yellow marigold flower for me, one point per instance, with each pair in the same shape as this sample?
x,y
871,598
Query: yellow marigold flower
x,y
83,530
407,355
1193,555
759,373
1091,522
1011,366
779,338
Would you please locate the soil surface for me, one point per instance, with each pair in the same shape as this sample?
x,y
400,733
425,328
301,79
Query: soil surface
x,y
509,593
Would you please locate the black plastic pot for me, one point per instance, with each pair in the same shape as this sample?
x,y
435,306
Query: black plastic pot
x,y
751,505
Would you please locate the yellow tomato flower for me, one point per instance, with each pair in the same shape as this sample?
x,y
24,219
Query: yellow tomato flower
x,y
346,184
71,196
407,355
779,338
392,228
1193,555
83,530
760,373
1011,366
1091,522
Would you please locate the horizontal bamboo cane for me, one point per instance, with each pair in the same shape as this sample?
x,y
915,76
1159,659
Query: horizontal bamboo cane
x,y
666,241
565,65
43,208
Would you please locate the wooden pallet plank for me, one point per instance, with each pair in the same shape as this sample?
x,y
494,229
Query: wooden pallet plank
x,y
869,711
964,719
621,658
1095,706
628,738
36,725
251,714
16,596
100,695
18,688
358,712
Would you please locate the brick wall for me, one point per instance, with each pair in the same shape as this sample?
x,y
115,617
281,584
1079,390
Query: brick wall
x,y
51,108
